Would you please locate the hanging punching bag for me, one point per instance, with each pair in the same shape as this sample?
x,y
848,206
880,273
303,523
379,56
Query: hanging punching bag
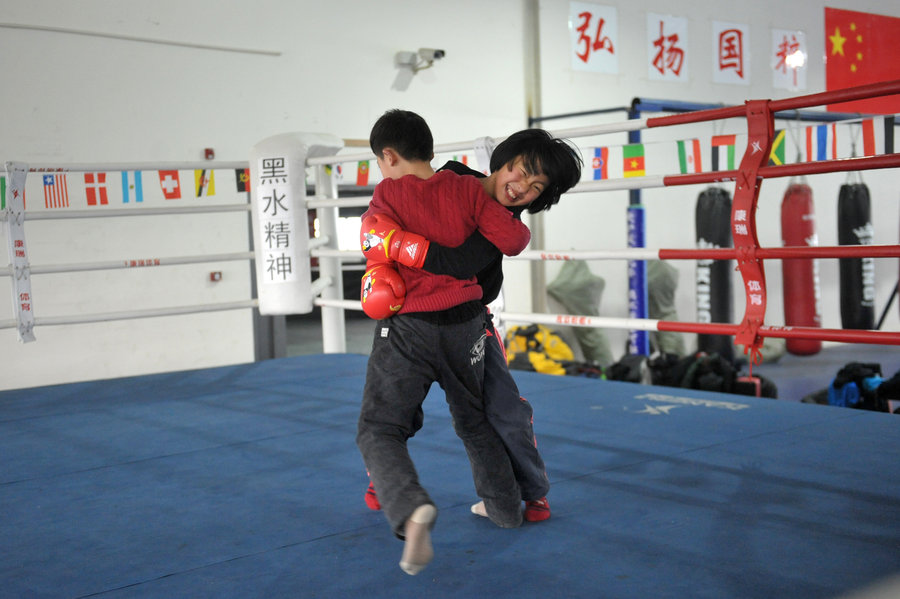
x,y
714,299
857,274
800,277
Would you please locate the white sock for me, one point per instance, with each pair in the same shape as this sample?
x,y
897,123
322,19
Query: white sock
x,y
417,551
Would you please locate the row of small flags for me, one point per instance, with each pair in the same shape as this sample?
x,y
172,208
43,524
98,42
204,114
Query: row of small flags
x,y
96,186
820,142
363,168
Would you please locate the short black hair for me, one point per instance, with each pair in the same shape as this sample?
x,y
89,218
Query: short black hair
x,y
541,153
404,131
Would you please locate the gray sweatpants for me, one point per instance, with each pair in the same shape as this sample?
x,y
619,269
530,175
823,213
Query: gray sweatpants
x,y
408,355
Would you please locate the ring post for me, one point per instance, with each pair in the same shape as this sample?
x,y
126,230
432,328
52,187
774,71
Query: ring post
x,y
279,219
638,340
334,326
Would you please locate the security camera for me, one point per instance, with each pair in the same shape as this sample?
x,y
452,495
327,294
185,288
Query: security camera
x,y
430,54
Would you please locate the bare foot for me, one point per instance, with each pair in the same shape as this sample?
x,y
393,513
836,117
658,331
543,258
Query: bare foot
x,y
479,510
417,551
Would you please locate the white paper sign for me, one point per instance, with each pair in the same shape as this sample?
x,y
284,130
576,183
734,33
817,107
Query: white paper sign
x,y
667,43
789,59
593,34
731,53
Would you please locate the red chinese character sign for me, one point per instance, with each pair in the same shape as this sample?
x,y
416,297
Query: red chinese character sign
x,y
667,43
730,53
861,48
789,59
594,35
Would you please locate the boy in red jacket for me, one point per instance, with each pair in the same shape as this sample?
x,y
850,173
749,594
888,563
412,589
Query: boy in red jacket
x,y
438,334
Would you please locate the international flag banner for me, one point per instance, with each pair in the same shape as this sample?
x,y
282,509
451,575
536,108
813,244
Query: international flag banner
x,y
821,142
776,156
336,171
878,136
56,191
860,48
463,159
242,179
171,186
95,188
600,163
723,152
633,160
362,173
204,183
689,156
132,187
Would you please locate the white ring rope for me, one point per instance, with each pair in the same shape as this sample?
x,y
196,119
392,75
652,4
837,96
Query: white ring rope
x,y
107,167
134,314
619,127
120,264
597,322
111,212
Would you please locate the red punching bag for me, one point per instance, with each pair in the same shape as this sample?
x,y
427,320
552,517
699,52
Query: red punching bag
x,y
800,276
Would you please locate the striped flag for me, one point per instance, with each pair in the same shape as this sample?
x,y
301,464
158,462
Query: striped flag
x,y
600,163
171,186
723,152
56,191
689,156
204,183
776,156
131,183
95,188
633,160
362,172
878,136
821,142
242,179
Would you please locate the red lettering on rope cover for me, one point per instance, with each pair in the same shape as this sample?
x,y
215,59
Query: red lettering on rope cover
x,y
760,129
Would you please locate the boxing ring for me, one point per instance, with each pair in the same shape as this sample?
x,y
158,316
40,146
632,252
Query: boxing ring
x,y
244,480
747,252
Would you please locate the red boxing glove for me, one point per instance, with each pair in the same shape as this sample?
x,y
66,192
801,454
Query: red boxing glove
x,y
382,292
375,238
382,240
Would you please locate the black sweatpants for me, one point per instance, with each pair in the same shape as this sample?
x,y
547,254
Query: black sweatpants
x,y
513,419
408,355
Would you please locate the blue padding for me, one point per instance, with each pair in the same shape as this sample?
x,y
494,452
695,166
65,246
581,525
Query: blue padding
x,y
245,481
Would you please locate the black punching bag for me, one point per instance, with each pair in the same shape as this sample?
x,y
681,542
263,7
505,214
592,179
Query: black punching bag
x,y
857,274
714,298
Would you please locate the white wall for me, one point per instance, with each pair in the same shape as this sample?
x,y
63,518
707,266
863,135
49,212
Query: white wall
x,y
84,98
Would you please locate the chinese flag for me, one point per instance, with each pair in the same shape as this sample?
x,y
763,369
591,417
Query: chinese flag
x,y
860,48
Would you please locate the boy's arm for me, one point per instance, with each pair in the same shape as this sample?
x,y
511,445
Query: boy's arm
x,y
382,240
499,226
463,261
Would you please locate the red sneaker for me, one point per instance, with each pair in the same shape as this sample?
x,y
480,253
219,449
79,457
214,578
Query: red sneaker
x,y
536,511
372,499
